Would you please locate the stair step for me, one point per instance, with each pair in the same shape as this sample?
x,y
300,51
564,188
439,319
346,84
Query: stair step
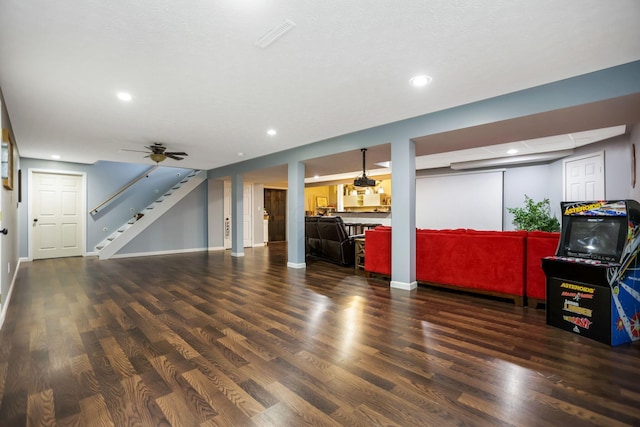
x,y
122,230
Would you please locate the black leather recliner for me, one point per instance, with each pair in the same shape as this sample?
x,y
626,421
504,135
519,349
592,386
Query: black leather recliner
x,y
328,239
313,244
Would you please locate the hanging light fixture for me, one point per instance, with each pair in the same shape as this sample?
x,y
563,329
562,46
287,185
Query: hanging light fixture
x,y
364,181
157,157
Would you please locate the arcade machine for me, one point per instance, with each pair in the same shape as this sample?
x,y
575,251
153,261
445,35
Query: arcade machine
x,y
593,281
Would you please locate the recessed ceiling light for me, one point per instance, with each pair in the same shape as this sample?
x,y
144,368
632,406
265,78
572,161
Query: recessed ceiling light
x,y
512,151
272,132
316,177
240,154
420,81
55,156
124,96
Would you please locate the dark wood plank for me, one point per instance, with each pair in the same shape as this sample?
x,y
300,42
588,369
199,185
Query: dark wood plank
x,y
211,340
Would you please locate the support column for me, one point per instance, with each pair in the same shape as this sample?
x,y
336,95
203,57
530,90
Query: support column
x,y
237,215
403,216
295,216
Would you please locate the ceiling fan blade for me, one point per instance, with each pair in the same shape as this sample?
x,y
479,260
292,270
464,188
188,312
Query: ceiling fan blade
x,y
172,156
135,151
156,148
176,153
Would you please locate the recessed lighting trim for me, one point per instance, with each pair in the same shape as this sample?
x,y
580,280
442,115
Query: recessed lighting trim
x,y
272,132
55,156
240,154
420,81
124,96
512,151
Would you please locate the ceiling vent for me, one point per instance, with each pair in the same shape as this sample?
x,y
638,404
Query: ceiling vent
x,y
275,33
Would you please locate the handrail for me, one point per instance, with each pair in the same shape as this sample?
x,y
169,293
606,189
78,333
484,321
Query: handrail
x,y
120,191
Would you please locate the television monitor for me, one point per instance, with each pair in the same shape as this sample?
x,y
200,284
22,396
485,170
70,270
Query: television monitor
x,y
600,238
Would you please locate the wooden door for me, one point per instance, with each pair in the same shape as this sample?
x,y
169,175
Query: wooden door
x,y
57,219
275,202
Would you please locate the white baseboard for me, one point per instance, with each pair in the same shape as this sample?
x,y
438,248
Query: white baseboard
x,y
237,254
5,301
258,245
403,285
167,252
25,259
216,248
94,253
297,265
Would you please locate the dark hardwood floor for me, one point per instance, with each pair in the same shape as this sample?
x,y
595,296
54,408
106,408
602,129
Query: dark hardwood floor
x,y
204,339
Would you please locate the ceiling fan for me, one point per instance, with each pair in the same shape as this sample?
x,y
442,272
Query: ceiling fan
x,y
158,152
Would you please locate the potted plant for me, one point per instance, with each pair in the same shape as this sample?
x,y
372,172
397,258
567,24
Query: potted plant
x,y
534,216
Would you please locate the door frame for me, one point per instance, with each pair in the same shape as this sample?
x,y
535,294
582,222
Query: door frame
x,y
83,205
247,214
599,154
226,232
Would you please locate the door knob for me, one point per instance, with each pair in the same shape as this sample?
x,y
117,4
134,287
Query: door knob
x,y
4,231
35,220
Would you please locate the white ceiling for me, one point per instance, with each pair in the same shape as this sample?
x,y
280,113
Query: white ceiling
x,y
201,85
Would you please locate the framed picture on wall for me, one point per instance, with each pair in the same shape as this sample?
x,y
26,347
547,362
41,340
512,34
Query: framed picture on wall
x,y
321,202
7,160
633,165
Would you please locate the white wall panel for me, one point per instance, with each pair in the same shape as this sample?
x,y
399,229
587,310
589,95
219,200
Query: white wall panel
x,y
465,200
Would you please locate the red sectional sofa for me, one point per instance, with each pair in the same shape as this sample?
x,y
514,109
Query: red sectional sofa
x,y
378,259
540,244
489,262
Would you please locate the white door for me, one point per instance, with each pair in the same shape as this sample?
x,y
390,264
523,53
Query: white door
x,y
246,216
584,178
57,220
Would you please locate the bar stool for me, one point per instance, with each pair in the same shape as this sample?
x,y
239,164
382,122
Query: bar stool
x,y
368,227
350,226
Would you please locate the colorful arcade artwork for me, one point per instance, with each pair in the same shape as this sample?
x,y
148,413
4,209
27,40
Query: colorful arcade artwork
x,y
593,282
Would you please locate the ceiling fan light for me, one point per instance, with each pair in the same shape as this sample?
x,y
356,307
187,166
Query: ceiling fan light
x,y
157,157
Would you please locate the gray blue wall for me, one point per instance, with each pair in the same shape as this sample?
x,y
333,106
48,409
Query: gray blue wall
x,y
103,180
9,244
634,191
182,228
215,201
542,181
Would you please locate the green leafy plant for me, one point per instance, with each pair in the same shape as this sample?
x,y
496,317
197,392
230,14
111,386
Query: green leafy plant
x,y
534,216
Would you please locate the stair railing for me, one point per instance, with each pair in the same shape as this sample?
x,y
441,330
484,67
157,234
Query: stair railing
x,y
122,190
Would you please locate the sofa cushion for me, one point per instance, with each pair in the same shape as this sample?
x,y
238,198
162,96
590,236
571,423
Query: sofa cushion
x,y
486,260
540,244
377,246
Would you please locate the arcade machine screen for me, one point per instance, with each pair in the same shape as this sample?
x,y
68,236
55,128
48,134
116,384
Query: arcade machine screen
x,y
598,238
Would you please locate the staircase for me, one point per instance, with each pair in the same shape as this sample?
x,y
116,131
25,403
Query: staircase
x,y
127,232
